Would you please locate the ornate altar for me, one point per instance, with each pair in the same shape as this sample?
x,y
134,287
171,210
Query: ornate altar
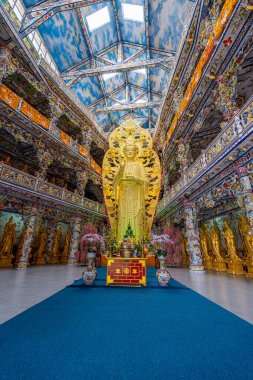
x,y
126,272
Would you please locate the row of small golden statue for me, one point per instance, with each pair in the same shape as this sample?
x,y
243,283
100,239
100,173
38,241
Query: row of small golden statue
x,y
229,260
10,256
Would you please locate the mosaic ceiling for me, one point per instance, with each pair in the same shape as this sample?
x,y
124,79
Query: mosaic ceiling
x,y
116,59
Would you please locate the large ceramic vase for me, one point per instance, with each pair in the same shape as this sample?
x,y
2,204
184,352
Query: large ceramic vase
x,y
89,276
91,258
162,275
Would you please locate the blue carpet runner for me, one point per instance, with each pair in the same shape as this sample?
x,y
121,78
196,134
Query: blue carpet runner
x,y
103,333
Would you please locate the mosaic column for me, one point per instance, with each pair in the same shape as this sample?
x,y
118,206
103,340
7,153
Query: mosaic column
x,y
30,226
45,160
56,109
75,237
8,65
82,179
51,230
192,234
247,193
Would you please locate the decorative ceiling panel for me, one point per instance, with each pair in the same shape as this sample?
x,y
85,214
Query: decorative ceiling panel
x,y
166,23
64,39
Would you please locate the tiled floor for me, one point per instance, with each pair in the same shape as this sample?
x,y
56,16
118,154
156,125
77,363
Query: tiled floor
x,y
234,293
21,289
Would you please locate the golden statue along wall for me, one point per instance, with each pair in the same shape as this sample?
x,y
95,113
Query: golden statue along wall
x,y
131,181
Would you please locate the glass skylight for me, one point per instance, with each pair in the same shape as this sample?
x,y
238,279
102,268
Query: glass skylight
x,y
140,71
41,49
109,76
140,101
18,8
98,19
133,12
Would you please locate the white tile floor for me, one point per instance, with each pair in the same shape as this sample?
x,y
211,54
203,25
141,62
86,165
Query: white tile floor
x,y
21,289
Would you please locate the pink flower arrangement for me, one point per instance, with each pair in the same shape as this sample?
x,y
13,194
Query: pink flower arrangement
x,y
174,251
90,241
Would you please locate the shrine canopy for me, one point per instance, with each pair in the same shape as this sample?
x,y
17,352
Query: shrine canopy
x,y
116,56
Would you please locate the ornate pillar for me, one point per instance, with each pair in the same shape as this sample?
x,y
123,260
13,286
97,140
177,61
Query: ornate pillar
x,y
87,139
8,65
225,95
82,179
247,193
75,237
183,155
192,234
56,109
30,218
45,159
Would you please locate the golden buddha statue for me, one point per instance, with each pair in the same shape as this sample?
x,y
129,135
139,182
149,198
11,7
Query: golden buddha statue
x,y
219,263
247,238
130,190
6,246
207,260
233,260
54,257
131,181
65,253
40,257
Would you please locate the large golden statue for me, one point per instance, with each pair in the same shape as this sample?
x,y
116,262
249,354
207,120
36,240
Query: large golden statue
x,y
6,246
131,181
247,238
219,263
233,260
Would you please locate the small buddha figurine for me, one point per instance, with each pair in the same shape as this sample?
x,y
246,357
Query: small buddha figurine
x,y
8,238
247,237
65,253
40,257
54,258
234,262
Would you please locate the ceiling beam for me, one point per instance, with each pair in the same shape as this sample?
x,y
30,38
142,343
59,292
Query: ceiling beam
x,y
148,55
125,107
119,67
38,14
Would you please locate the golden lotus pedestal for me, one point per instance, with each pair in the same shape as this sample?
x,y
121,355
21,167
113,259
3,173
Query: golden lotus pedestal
x,y
6,261
249,264
40,260
54,260
235,267
126,271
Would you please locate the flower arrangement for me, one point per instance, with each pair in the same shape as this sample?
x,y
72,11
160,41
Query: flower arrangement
x,y
174,251
161,243
91,241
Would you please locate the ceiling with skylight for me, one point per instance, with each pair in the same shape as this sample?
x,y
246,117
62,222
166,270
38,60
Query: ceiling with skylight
x,y
116,56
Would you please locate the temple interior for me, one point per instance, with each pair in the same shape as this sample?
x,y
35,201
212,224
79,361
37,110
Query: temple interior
x,y
126,189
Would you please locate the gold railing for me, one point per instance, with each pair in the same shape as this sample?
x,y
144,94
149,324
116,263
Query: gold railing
x,y
10,175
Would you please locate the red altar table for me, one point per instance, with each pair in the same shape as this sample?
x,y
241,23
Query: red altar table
x,y
126,272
